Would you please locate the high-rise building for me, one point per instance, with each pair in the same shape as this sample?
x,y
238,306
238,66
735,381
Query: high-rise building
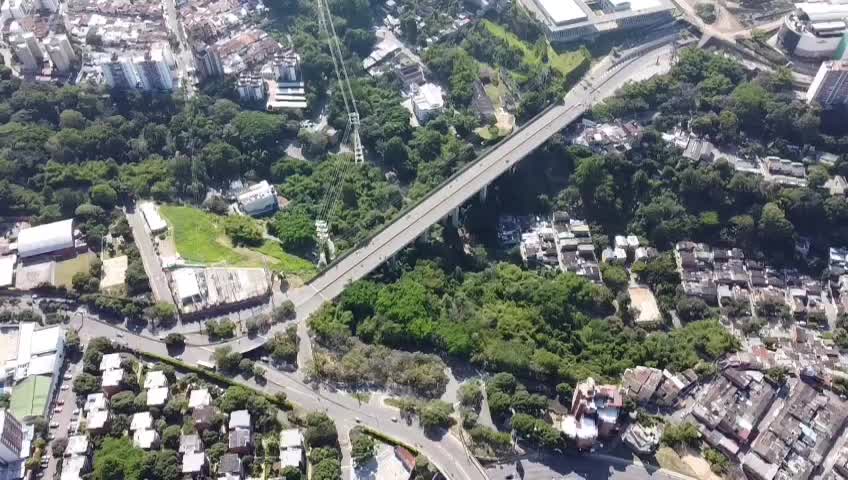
x,y
25,55
210,62
11,438
51,5
120,73
60,51
830,85
250,87
16,9
33,45
154,72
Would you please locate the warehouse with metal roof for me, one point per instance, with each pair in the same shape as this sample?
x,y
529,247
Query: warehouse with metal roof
x,y
47,238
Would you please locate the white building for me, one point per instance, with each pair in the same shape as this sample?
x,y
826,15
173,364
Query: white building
x,y
95,402
258,199
47,238
239,419
11,437
151,215
77,445
157,397
291,438
186,287
830,85
60,51
815,29
111,381
285,85
570,20
110,361
193,462
145,439
39,352
75,467
155,379
141,421
7,270
199,398
427,102
97,420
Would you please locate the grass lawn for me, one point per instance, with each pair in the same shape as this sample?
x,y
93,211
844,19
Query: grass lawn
x,y
29,398
199,236
285,262
66,269
564,63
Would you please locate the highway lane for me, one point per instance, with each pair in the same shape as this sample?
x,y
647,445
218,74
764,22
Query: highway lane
x,y
588,466
457,191
447,453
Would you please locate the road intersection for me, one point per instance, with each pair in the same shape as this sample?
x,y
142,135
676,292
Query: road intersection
x,y
445,451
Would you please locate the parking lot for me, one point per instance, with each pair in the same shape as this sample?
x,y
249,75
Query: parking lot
x,y
62,418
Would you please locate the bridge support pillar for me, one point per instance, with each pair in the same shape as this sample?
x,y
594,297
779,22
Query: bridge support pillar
x,y
455,217
484,193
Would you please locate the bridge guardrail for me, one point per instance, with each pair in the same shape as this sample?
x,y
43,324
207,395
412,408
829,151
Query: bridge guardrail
x,y
615,65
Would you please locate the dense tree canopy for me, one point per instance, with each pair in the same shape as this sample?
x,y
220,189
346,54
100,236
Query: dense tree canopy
x,y
548,327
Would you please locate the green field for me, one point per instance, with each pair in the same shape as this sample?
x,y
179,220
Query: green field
x,y
29,398
199,236
286,262
564,63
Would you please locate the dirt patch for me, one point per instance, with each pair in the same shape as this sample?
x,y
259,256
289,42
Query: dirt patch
x,y
669,459
700,466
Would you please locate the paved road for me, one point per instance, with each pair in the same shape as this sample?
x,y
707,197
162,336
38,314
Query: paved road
x,y
152,266
573,467
446,452
185,59
456,192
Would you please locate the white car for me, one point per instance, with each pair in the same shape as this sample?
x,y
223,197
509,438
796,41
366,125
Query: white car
x,y
65,388
54,425
68,376
57,410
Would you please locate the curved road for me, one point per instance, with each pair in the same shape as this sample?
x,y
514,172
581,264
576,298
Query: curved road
x,y
447,453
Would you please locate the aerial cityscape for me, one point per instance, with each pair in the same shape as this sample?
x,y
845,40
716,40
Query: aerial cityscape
x,y
423,240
